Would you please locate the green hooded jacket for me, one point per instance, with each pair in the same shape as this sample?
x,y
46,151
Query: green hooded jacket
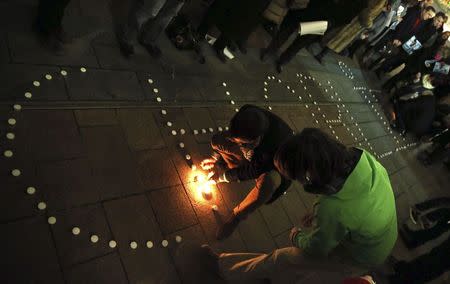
x,y
361,217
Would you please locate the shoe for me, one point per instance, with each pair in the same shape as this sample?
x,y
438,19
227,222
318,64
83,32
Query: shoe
x,y
127,49
222,57
242,48
279,67
62,36
153,50
211,259
414,214
263,54
228,227
319,58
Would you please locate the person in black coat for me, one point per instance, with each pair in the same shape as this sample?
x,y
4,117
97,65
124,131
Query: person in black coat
x,y
246,152
422,34
336,13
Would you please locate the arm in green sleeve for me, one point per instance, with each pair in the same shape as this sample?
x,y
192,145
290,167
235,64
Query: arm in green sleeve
x,y
325,235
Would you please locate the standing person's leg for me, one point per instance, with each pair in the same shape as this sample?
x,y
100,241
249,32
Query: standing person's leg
x,y
151,30
49,23
287,27
299,43
127,29
209,18
219,45
265,185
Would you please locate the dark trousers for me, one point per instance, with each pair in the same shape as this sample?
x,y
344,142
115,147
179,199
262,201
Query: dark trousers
x,y
433,203
266,184
209,20
289,26
405,74
394,61
50,14
425,267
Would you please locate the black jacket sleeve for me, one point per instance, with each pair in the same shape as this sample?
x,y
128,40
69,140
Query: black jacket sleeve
x,y
252,169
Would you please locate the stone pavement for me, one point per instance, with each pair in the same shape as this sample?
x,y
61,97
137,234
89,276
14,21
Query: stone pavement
x,y
97,143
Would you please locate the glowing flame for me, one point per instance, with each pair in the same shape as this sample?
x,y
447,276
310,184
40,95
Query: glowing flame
x,y
203,184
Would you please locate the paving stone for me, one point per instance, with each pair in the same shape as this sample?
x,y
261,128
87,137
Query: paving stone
x,y
16,203
97,84
294,206
68,183
4,53
29,257
18,79
106,269
302,122
181,89
373,129
255,234
308,199
156,170
172,209
132,219
399,186
49,130
199,118
275,217
111,161
96,117
282,240
210,220
213,89
25,48
110,57
78,248
140,129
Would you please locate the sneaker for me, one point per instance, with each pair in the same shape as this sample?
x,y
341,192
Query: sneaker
x,y
228,227
153,50
222,57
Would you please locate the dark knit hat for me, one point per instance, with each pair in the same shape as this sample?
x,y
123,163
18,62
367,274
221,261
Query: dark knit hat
x,y
249,123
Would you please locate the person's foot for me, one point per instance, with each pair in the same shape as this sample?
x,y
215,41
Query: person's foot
x,y
211,259
127,49
222,57
319,58
279,67
263,54
153,50
62,36
228,227
242,48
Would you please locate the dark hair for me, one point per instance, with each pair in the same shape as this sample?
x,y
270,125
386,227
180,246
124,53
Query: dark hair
x,y
441,14
249,123
312,151
429,8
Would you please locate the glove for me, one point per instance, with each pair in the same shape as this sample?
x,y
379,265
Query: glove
x,y
293,236
217,177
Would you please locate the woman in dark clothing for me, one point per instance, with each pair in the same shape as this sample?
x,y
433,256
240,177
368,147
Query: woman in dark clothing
x,y
235,19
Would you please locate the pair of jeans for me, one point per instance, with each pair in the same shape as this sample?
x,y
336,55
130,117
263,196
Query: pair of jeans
x,y
147,19
265,185
50,14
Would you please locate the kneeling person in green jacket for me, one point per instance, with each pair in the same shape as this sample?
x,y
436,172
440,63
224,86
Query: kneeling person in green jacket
x,y
354,224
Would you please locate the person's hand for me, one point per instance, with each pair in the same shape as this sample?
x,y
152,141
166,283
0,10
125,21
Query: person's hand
x,y
217,177
396,42
293,236
417,77
208,164
307,220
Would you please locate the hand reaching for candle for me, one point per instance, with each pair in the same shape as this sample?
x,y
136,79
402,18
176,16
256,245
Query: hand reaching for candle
x,y
217,177
208,164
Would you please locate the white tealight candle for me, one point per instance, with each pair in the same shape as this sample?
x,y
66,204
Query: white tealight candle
x,y
16,172
94,239
41,205
11,121
178,239
28,95
51,220
63,72
17,107
163,112
10,136
48,77
36,83
82,69
8,153
165,243
149,244
133,245
31,190
76,231
112,243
